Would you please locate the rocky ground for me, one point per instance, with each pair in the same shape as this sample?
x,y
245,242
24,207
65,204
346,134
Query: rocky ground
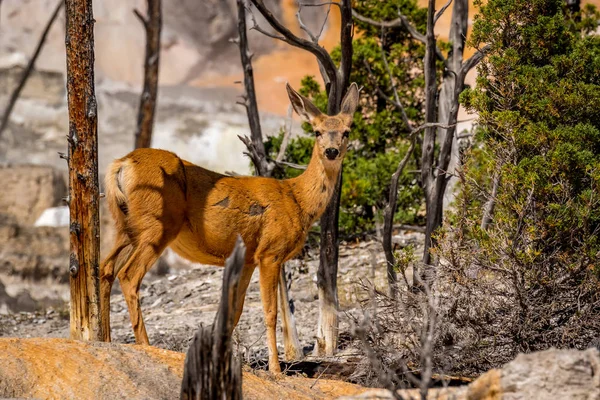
x,y
177,297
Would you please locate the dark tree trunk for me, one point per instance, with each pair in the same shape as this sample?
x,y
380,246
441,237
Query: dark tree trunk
x,y
259,155
152,25
388,221
27,72
427,169
211,371
83,172
327,328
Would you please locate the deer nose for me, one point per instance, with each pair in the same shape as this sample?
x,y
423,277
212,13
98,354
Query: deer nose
x,y
331,153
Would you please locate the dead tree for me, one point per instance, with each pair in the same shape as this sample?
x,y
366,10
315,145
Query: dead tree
x,y
256,149
336,83
29,68
211,371
436,175
152,25
392,204
83,198
435,172
264,167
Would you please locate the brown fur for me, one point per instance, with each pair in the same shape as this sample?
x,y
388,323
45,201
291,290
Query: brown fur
x,y
159,200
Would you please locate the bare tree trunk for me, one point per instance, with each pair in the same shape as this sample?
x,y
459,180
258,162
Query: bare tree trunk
x,y
448,104
27,72
388,221
488,210
152,25
211,371
83,172
256,151
327,327
427,168
436,176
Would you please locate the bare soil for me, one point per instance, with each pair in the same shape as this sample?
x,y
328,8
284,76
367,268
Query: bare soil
x,y
175,304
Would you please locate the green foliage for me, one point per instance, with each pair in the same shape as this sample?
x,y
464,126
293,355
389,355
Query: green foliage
x,y
538,99
378,140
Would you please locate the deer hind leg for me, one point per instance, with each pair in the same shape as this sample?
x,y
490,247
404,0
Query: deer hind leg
x,y
269,278
291,343
154,214
130,277
107,278
151,228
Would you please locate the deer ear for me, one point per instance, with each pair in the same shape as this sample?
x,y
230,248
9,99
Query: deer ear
x,y
304,108
350,102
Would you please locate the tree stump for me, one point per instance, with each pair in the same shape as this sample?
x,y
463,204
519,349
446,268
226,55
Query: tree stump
x,y
211,371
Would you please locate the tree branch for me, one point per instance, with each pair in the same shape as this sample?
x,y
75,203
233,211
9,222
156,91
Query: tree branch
x,y
152,26
314,38
474,59
17,92
388,218
346,36
395,102
401,21
257,28
330,3
324,22
439,14
396,97
433,125
288,37
142,19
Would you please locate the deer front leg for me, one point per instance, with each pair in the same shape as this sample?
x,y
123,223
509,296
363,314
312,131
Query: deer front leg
x,y
269,277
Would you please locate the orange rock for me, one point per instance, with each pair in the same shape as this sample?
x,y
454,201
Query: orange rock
x,y
68,369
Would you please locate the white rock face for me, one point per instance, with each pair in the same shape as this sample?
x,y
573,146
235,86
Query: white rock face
x,y
195,38
199,124
54,217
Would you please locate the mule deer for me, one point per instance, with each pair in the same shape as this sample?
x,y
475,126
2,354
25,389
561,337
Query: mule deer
x,y
159,200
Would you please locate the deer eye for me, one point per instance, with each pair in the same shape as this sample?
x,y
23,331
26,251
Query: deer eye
x,y
317,133
346,134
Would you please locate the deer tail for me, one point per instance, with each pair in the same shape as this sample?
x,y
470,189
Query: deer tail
x,y
113,185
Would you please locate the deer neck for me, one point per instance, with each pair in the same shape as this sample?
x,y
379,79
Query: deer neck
x,y
314,187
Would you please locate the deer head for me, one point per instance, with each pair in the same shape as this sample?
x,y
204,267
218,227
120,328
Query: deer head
x,y
331,131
